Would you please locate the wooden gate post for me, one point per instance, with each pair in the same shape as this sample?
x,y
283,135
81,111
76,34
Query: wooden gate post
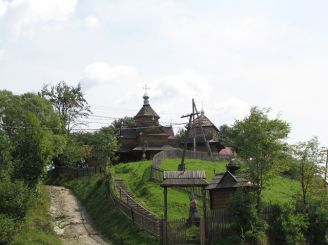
x,y
165,242
204,213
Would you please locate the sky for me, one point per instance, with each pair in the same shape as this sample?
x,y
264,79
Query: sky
x,y
227,55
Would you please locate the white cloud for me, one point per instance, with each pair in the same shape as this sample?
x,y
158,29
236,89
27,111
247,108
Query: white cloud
x,y
3,7
102,72
92,22
29,12
2,53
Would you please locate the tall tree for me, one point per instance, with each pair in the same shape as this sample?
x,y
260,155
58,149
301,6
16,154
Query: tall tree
x,y
309,155
23,123
258,141
69,102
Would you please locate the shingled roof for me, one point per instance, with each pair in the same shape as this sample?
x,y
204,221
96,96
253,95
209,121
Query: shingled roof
x,y
204,121
146,110
228,180
184,178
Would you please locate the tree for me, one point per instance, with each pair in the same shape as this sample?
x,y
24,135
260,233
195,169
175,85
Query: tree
x,y
181,136
309,156
258,141
25,127
122,122
28,126
103,143
226,134
69,102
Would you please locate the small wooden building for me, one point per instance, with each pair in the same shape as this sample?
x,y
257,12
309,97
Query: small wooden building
x,y
223,186
147,137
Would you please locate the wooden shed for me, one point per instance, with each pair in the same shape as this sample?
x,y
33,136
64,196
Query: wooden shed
x,y
223,186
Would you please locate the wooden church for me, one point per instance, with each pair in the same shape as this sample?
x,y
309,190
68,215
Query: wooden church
x,y
147,137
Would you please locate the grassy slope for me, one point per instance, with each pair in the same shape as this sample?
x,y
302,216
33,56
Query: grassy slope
x,y
281,190
136,174
112,223
37,227
150,194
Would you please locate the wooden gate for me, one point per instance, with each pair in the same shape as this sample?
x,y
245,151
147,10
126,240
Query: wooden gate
x,y
219,223
181,231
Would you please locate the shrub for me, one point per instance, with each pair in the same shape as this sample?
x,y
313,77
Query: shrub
x,y
7,229
318,222
286,226
244,213
14,199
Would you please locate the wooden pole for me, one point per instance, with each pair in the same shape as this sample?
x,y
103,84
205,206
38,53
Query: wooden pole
x,y
204,211
165,242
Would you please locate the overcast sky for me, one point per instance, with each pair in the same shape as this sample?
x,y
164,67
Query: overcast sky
x,y
228,55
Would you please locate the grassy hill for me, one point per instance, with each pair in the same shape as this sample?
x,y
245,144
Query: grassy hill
x,y
136,177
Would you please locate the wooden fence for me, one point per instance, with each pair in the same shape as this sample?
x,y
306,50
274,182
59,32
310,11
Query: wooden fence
x,y
127,205
219,223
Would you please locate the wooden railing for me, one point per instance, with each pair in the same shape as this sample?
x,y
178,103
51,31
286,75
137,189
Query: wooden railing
x,y
133,210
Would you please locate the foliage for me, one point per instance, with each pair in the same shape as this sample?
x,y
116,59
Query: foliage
x,y
37,228
243,210
26,130
29,139
318,220
68,101
226,135
258,141
8,228
74,152
181,136
309,156
102,143
122,122
286,226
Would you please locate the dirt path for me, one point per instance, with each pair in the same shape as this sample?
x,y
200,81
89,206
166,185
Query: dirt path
x,y
71,221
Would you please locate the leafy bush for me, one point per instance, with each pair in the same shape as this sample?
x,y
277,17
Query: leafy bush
x,y
318,222
7,229
244,213
14,198
286,226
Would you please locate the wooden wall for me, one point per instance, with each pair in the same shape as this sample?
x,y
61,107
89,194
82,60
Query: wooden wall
x,y
220,198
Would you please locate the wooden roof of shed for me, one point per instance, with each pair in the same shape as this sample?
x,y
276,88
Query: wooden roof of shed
x,y
228,180
184,178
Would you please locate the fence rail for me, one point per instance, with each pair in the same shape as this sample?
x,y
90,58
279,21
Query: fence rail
x,y
134,211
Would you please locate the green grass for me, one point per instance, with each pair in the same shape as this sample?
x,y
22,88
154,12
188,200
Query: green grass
x,y
280,190
136,177
91,191
194,164
37,227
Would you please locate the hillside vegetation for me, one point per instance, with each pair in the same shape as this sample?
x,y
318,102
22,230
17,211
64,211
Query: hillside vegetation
x,y
136,177
37,227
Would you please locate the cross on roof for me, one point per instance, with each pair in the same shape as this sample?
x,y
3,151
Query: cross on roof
x,y
145,88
